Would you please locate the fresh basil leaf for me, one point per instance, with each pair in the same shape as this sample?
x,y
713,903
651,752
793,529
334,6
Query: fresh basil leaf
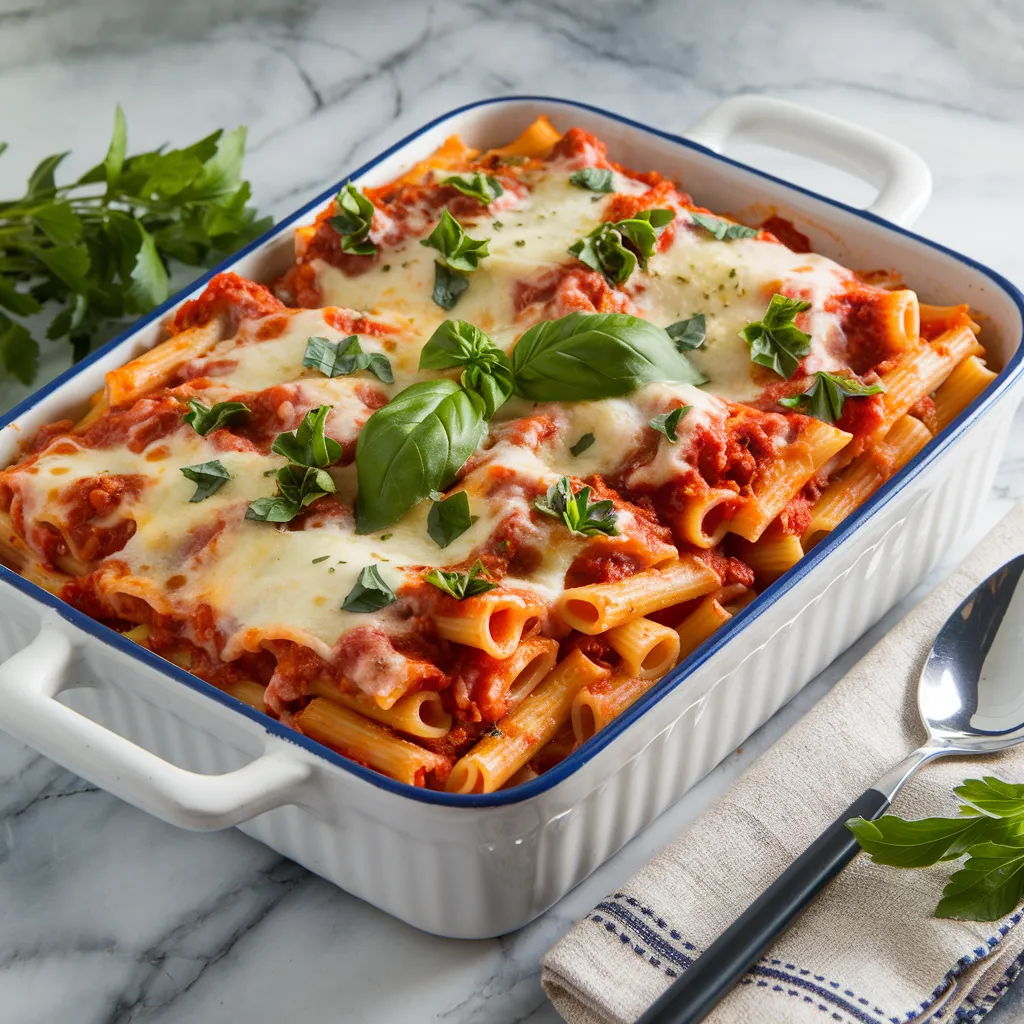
x,y
668,422
775,341
307,445
488,371
825,398
298,486
603,249
989,886
341,358
370,593
722,229
449,518
577,512
597,179
461,585
208,477
582,445
915,844
448,286
477,186
353,221
587,356
416,444
458,251
203,419
688,334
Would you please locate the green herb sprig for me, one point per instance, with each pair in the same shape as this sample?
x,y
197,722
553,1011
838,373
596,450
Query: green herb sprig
x,y
461,585
580,515
989,832
100,248
615,249
825,398
775,341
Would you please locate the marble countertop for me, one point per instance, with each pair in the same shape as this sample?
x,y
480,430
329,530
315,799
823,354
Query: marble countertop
x,y
107,915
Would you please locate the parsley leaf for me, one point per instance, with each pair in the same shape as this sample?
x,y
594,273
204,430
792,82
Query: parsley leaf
x,y
353,221
582,445
723,230
989,831
668,422
775,341
461,585
597,179
99,249
449,518
688,334
576,510
307,445
203,419
478,186
448,286
605,249
341,358
208,477
825,398
458,251
370,593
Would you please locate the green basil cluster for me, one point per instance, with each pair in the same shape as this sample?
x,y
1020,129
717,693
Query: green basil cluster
x,y
419,442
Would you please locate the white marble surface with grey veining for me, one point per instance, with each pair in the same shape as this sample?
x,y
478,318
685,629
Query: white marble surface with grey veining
x,y
107,915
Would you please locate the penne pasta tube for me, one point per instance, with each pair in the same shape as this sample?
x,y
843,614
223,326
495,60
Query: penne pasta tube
x,y
960,388
248,691
154,367
537,140
527,666
771,556
419,714
648,649
899,315
520,735
864,476
367,742
594,708
602,606
705,519
783,478
495,622
708,616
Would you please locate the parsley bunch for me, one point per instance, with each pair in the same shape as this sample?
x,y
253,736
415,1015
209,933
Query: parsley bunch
x,y
989,832
99,249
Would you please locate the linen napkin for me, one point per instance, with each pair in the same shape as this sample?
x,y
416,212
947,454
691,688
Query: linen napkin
x,y
867,951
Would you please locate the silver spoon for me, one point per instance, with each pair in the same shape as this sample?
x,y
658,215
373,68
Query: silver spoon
x,y
971,700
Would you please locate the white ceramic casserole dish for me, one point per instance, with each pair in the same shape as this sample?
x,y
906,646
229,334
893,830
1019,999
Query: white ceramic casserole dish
x,y
475,866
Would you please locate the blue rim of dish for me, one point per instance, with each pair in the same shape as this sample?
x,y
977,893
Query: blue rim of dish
x,y
685,668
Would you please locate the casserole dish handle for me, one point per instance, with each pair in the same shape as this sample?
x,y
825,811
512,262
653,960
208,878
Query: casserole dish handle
x,y
902,178
29,683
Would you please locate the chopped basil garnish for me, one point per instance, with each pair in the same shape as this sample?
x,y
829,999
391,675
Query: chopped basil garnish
x,y
449,518
688,334
458,251
322,558
478,186
577,512
668,422
448,286
207,476
203,419
341,358
461,585
370,593
825,398
722,229
353,221
605,249
307,445
597,179
582,444
775,341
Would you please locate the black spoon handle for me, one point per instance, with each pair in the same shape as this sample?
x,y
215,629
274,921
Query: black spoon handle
x,y
690,998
